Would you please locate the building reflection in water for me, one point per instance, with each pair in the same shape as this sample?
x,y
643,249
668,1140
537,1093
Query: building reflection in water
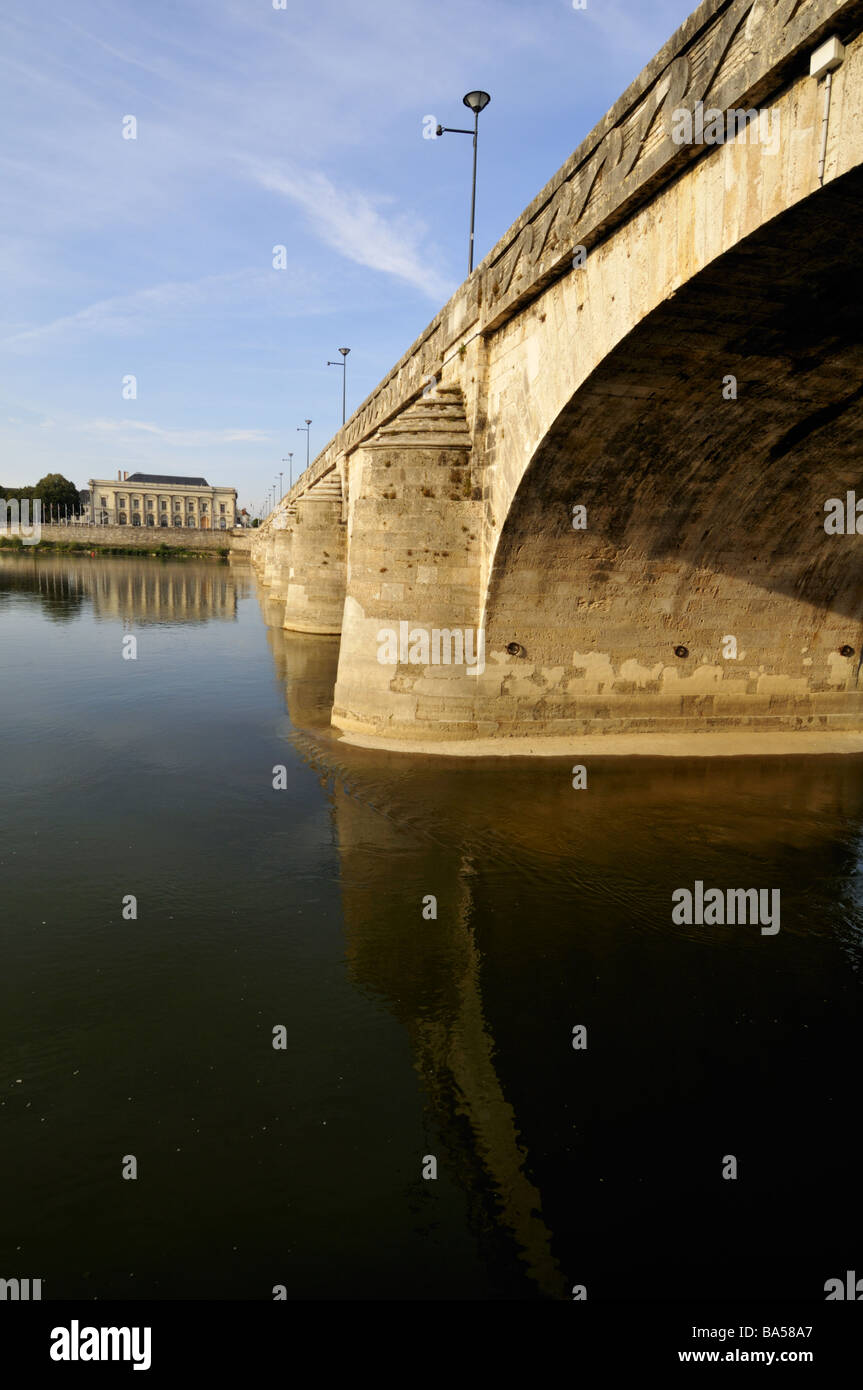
x,y
144,592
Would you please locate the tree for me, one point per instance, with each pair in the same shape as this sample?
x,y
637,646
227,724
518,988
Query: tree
x,y
57,492
53,491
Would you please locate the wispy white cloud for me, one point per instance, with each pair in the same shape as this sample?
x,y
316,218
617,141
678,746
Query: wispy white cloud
x,y
139,310
352,223
179,438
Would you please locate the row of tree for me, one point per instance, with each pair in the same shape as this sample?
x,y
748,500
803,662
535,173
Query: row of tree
x,y
53,491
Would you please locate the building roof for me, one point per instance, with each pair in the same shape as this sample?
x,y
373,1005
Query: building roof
x,y
164,478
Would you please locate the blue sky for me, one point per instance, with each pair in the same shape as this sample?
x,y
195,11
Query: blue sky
x,y
259,127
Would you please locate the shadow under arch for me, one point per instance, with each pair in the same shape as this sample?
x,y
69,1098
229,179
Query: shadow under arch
x,y
705,509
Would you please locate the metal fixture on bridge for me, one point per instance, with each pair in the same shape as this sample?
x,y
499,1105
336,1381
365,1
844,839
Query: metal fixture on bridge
x,y
823,63
290,462
476,102
305,430
344,366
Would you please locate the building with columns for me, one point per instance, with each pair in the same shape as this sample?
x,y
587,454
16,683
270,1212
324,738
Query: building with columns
x,y
155,499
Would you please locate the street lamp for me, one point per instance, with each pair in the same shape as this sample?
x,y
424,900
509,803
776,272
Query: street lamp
x,y
344,366
281,476
290,462
476,102
305,430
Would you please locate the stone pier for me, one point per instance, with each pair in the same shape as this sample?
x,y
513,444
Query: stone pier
x,y
315,589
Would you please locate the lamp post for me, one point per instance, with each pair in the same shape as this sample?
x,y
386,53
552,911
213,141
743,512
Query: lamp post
x,y
344,366
476,102
290,462
305,430
281,476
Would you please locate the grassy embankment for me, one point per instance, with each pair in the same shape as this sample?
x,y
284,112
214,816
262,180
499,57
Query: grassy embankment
x,y
83,547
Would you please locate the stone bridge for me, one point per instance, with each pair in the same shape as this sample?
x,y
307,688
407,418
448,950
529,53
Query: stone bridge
x,y
596,496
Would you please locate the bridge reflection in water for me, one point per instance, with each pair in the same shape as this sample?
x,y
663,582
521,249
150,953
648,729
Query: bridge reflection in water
x,y
602,1166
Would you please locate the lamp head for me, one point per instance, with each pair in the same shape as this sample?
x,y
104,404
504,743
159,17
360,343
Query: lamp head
x,y
477,101
344,351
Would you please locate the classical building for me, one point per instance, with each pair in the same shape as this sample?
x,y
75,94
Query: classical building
x,y
155,499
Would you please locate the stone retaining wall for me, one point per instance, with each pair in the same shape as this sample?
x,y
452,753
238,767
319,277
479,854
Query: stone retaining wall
x,y
146,538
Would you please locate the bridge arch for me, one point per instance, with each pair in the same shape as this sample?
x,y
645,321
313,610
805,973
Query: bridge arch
x,y
703,449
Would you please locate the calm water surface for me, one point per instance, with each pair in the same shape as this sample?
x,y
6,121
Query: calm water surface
x,y
406,1037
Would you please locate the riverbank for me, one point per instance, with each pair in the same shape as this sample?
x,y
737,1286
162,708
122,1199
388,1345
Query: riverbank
x,y
88,547
135,540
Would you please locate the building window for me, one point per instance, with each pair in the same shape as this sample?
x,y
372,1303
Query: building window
x,y
203,506
163,521
150,504
103,501
136,521
191,521
151,520
191,506
178,521
121,501
221,506
164,505
122,518
223,523
136,504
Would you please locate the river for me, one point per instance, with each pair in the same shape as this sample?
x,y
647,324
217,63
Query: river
x,y
419,1036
